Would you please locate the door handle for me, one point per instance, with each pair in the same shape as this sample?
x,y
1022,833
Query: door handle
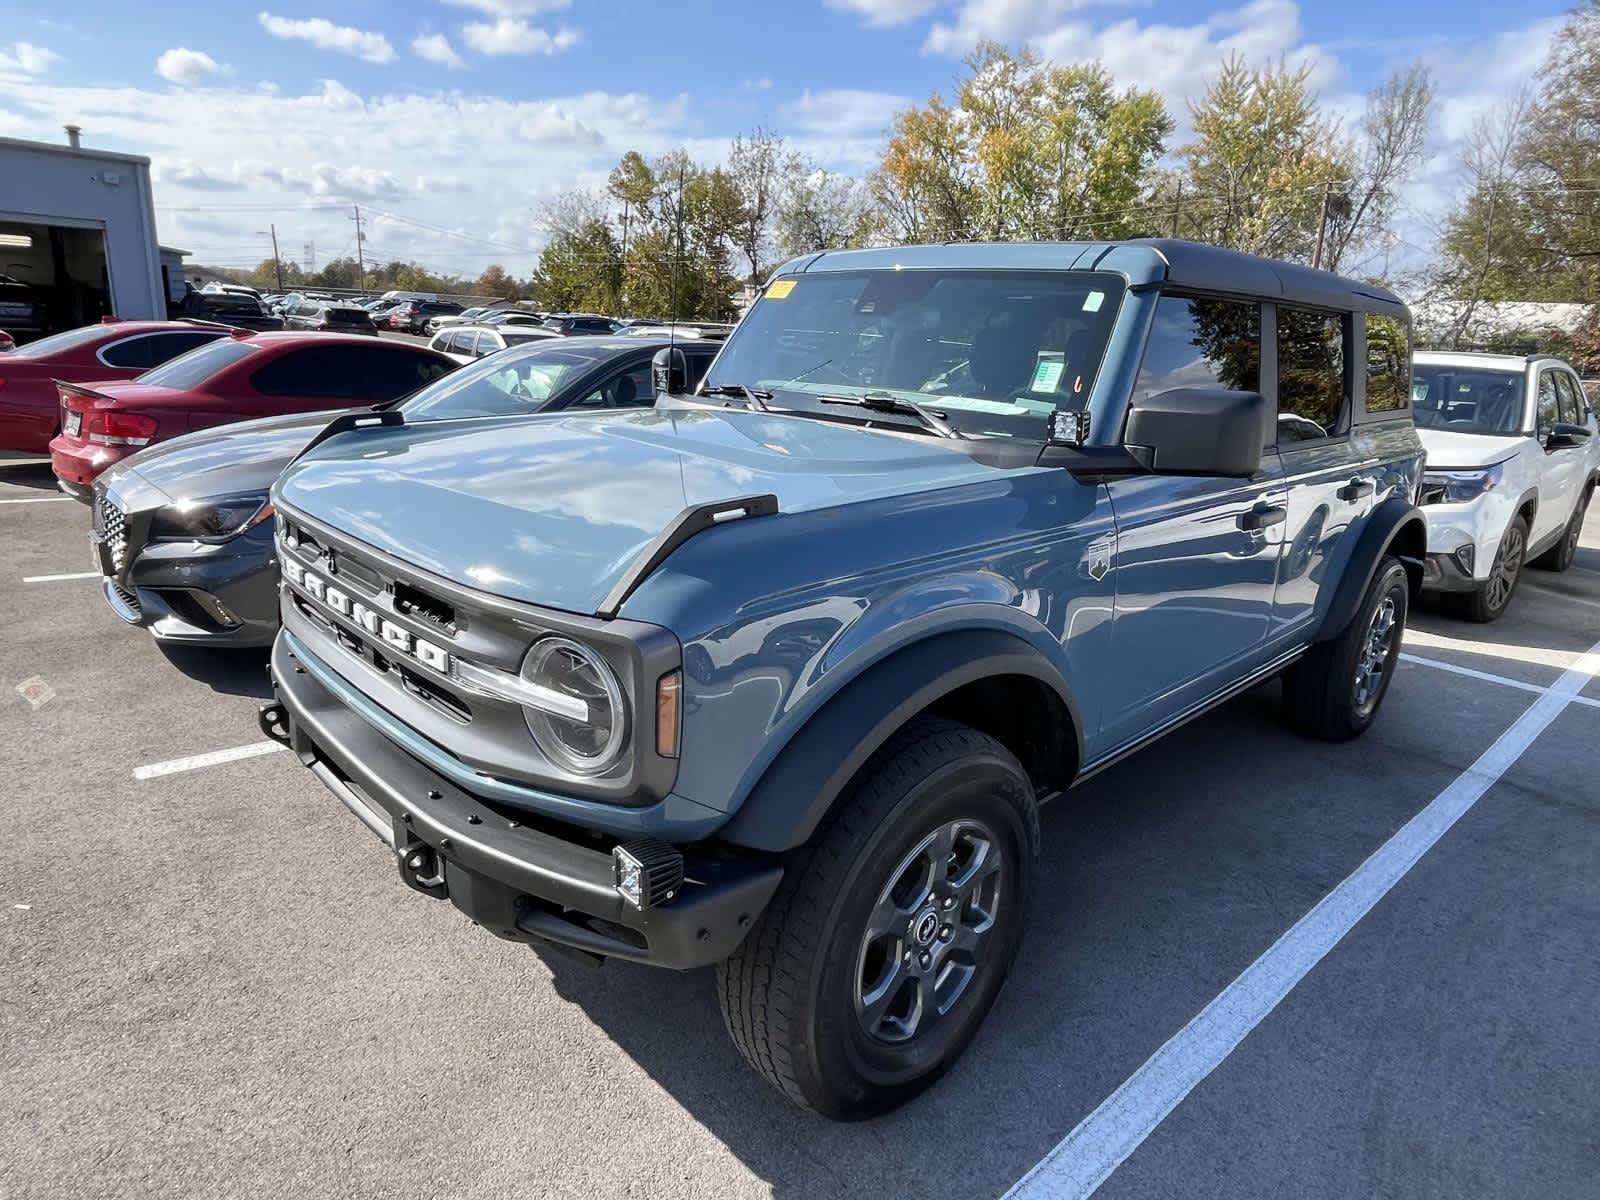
x,y
1356,489
1261,517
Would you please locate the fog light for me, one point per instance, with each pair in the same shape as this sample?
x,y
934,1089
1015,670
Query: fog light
x,y
647,872
1465,556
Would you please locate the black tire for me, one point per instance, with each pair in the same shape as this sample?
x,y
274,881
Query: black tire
x,y
1489,602
1559,557
795,995
1337,687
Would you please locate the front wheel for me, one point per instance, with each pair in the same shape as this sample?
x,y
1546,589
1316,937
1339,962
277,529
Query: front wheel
x,y
1490,601
1335,689
1559,557
893,929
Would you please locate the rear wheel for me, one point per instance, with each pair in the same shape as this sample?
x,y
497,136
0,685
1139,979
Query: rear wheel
x,y
1334,691
1559,557
1488,602
893,929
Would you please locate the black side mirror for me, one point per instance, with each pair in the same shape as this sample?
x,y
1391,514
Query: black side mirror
x,y
1564,436
1199,431
669,371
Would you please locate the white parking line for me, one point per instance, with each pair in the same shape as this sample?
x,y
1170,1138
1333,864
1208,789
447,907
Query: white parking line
x,y
38,500
195,761
1103,1140
1439,664
58,578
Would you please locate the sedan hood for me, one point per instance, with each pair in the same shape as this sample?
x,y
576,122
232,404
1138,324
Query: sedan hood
x,y
244,457
552,510
1447,448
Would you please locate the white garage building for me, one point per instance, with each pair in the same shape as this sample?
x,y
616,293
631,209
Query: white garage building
x,y
78,238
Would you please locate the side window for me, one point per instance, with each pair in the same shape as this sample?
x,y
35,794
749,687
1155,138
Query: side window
x,y
379,374
698,363
1198,342
460,343
631,388
1571,402
1312,380
135,352
1549,404
316,371
441,342
1388,363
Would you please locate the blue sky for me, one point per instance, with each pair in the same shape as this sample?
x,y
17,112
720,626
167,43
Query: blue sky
x,y
462,115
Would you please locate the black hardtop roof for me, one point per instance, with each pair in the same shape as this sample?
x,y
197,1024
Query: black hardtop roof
x,y
1213,268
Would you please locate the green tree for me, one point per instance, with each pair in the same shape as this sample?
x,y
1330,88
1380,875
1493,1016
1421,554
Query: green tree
x,y
760,170
1027,150
821,210
1263,162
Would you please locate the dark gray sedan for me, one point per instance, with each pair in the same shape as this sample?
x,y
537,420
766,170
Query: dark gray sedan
x,y
187,524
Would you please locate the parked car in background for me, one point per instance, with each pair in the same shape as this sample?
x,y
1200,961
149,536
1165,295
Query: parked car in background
x,y
515,316
695,329
232,289
330,316
22,309
775,675
232,379
1512,447
466,316
570,324
7,342
188,545
467,342
413,315
30,405
238,308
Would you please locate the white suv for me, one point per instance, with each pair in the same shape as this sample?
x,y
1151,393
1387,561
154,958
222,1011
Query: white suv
x,y
1512,461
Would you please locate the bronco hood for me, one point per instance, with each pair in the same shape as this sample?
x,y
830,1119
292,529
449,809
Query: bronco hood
x,y
552,510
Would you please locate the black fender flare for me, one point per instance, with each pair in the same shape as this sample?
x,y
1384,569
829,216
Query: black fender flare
x,y
801,784
1395,527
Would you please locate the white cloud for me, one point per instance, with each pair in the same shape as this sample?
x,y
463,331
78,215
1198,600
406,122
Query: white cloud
x,y
24,58
325,35
188,68
1177,61
844,112
885,13
763,84
509,35
512,8
436,48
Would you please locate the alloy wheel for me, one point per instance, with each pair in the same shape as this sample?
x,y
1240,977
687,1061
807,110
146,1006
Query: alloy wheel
x,y
928,934
1372,664
1507,565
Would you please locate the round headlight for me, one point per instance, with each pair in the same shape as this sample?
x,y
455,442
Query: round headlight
x,y
585,746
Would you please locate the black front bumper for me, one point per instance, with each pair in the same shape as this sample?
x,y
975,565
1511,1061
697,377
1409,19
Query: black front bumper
x,y
1448,573
519,877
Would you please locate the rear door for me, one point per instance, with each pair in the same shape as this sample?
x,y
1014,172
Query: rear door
x,y
1330,486
1196,559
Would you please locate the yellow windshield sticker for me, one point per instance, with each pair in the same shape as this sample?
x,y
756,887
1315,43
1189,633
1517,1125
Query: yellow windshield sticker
x,y
779,288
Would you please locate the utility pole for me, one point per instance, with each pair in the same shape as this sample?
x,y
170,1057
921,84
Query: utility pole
x,y
361,261
1177,207
277,263
1322,223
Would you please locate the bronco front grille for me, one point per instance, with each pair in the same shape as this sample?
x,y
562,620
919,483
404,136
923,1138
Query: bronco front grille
x,y
113,530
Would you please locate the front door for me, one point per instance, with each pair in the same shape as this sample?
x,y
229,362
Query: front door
x,y
1196,561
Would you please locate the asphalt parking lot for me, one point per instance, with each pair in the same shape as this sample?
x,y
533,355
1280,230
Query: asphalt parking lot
x,y
212,983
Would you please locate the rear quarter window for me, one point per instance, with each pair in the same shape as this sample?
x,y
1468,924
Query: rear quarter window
x,y
1388,363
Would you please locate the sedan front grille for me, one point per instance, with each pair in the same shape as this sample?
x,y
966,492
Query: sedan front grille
x,y
113,530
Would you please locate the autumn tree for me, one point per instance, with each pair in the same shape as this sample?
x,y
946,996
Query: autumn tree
x,y
760,170
1026,150
822,210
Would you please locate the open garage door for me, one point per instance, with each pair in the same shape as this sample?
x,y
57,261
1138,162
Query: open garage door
x,y
52,277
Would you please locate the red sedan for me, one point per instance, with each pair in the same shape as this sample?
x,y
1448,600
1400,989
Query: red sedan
x,y
235,378
30,409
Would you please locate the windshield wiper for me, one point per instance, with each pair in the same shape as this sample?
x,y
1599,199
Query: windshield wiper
x,y
754,397
882,402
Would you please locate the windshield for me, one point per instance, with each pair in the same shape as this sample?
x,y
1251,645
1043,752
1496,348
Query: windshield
x,y
506,383
993,352
194,368
1467,399
70,340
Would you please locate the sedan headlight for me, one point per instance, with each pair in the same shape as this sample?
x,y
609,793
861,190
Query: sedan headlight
x,y
1458,487
585,744
212,520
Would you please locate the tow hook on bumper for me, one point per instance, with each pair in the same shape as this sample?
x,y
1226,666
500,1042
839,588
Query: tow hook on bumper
x,y
274,722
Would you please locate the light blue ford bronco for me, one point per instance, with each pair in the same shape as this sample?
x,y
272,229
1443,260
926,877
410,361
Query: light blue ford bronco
x,y
775,676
